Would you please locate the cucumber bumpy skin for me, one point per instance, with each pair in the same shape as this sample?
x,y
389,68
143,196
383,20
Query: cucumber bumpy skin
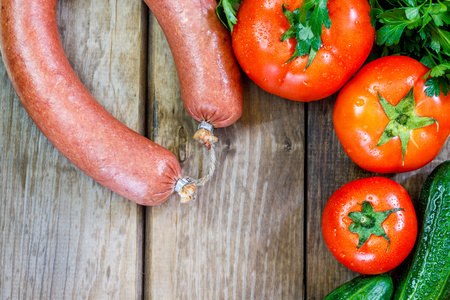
x,y
428,276
379,287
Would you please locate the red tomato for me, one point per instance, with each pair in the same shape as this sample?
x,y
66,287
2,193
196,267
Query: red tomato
x,y
360,119
262,56
395,217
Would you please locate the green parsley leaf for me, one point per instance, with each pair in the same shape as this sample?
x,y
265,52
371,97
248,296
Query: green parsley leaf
x,y
307,23
395,22
440,69
411,2
434,86
226,11
412,13
419,29
319,17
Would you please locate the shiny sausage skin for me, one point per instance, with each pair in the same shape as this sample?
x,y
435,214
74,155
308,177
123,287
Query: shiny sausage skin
x,y
69,116
209,76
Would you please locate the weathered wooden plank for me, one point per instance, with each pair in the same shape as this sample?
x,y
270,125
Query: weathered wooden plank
x,y
243,237
328,168
61,234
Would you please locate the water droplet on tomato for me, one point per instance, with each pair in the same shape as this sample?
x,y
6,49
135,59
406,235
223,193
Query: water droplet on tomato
x,y
360,102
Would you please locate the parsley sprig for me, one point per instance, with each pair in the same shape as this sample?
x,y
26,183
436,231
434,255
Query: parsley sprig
x,y
306,26
417,28
226,11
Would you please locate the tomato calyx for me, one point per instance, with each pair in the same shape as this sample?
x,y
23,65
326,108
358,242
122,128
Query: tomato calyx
x,y
402,120
306,27
368,222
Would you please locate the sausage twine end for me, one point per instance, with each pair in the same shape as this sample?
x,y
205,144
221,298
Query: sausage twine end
x,y
187,191
205,134
186,187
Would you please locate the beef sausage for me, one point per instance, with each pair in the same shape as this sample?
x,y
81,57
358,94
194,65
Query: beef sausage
x,y
208,73
69,116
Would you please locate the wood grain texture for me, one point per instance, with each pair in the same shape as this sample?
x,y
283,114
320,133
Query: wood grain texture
x,y
328,168
242,238
252,233
61,234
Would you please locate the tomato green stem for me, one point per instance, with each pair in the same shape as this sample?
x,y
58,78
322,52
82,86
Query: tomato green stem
x,y
368,222
402,120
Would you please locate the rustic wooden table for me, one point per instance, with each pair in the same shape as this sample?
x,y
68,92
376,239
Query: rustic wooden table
x,y
254,231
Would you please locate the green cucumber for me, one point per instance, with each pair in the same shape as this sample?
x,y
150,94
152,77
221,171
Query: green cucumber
x,y
379,287
428,276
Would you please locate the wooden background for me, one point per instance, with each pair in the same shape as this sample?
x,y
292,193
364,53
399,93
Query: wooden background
x,y
254,231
